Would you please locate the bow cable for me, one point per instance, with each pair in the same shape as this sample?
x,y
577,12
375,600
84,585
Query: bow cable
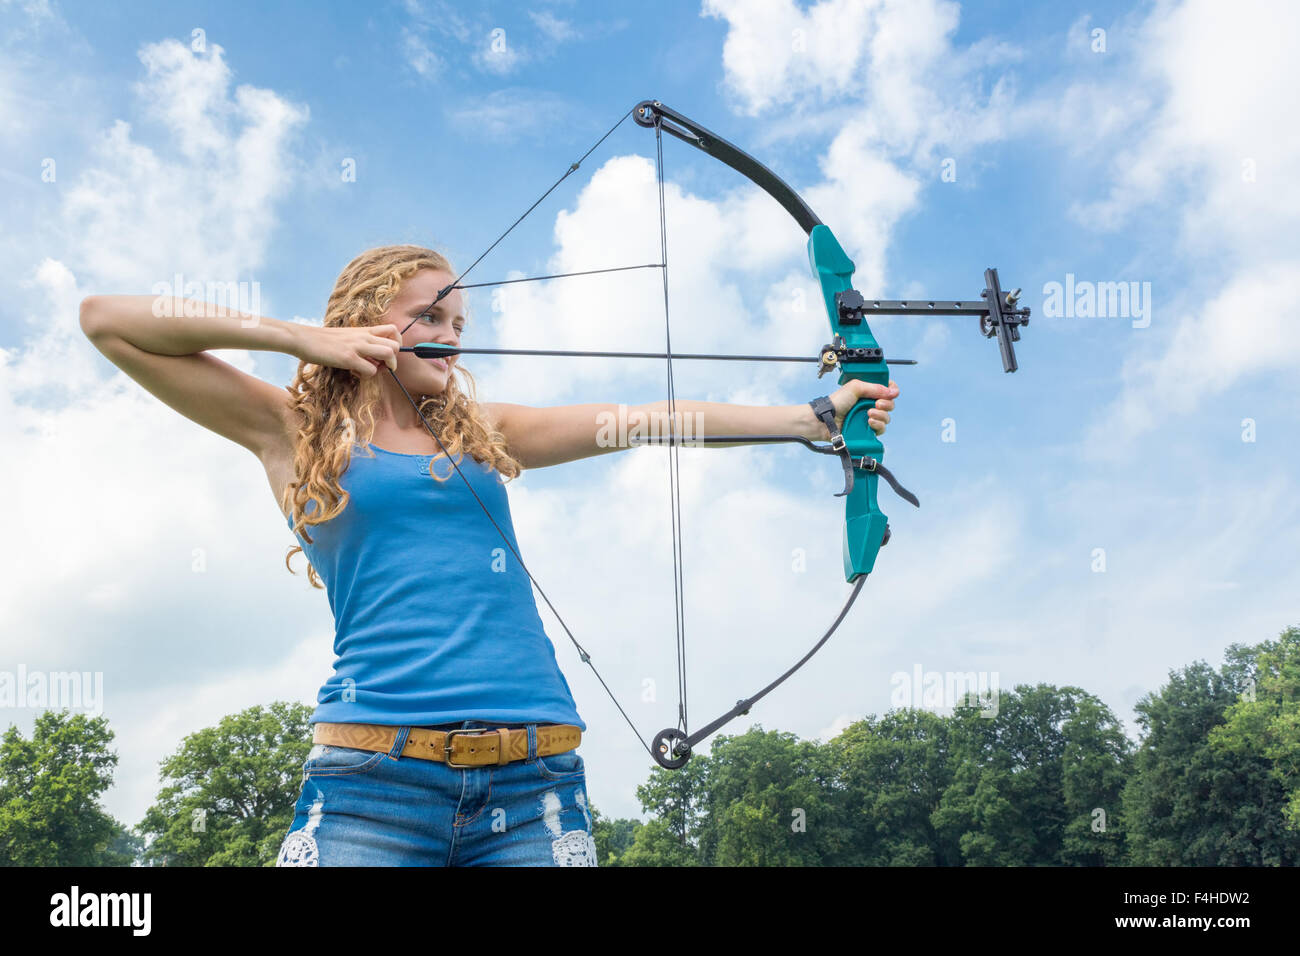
x,y
582,652
674,459
573,168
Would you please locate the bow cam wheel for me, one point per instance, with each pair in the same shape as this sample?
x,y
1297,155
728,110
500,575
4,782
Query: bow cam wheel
x,y
670,749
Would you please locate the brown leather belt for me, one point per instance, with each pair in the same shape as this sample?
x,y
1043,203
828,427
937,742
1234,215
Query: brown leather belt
x,y
475,747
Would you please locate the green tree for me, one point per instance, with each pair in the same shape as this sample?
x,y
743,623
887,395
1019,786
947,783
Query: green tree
x,y
230,790
1029,775
1264,724
1095,763
613,838
768,802
889,777
49,795
1201,798
672,798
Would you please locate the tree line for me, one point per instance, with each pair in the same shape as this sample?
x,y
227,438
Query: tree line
x,y
1048,777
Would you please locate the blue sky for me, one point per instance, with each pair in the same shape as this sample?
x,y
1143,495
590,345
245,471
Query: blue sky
x,y
1122,505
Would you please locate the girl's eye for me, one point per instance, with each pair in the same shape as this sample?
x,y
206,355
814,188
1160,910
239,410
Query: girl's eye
x,y
431,319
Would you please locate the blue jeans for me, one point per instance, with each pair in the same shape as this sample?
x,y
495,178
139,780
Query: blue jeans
x,y
370,808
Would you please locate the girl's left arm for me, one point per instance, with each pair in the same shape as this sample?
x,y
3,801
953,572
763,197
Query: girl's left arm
x,y
538,437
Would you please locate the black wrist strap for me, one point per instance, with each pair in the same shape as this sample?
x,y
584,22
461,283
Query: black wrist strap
x,y
825,412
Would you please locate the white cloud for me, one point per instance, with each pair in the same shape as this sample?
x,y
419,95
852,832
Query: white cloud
x,y
887,66
499,53
511,114
439,16
885,80
1242,333
788,55
420,57
555,29
1209,149
137,215
494,46
1205,131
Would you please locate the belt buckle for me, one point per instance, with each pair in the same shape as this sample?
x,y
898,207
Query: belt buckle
x,y
469,731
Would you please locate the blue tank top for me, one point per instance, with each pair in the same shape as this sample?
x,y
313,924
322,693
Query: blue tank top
x,y
434,619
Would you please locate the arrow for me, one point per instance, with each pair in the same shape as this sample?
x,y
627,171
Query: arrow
x,y
433,350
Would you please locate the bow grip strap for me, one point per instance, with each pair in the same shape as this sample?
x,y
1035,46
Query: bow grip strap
x,y
824,409
871,464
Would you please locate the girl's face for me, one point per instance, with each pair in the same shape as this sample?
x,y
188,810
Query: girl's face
x,y
443,324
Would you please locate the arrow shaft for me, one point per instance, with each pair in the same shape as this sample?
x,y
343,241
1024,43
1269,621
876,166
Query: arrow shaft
x,y
439,351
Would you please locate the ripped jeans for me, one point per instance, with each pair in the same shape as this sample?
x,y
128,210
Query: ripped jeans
x,y
370,808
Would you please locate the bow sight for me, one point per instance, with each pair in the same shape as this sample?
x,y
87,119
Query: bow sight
x,y
997,314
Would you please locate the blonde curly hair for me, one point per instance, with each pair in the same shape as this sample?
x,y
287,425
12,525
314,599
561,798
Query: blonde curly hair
x,y
332,405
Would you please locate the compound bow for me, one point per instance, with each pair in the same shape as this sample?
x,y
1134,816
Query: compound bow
x,y
853,351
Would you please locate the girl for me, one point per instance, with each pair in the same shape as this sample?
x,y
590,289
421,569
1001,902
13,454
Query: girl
x,y
447,733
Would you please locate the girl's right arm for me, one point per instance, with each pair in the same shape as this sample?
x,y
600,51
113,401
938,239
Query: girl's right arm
x,y
167,354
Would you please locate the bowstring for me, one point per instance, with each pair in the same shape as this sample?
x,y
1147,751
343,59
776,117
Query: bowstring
x,y
674,459
674,479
